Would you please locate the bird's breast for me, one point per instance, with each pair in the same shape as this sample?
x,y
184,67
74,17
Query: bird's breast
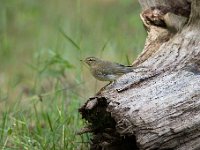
x,y
103,76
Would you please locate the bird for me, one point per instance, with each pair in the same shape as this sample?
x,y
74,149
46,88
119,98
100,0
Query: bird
x,y
105,70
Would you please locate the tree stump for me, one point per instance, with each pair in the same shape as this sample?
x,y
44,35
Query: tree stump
x,y
159,107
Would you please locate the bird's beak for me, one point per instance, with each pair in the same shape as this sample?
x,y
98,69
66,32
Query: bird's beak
x,y
81,60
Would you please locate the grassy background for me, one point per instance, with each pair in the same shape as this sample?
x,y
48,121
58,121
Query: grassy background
x,y
42,81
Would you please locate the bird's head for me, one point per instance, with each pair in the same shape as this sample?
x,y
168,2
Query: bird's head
x,y
92,61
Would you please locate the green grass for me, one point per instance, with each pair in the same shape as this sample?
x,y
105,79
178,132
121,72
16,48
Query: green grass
x,y
42,81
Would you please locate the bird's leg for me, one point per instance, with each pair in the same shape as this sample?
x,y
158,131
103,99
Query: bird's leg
x,y
103,88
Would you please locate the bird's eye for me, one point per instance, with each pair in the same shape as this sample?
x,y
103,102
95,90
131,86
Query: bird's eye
x,y
91,59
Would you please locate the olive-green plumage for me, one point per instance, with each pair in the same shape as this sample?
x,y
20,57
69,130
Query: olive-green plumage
x,y
105,70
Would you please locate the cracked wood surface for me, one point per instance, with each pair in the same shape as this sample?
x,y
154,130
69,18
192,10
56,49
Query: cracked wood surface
x,y
158,106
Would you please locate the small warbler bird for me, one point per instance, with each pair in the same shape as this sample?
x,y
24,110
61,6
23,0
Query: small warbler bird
x,y
105,70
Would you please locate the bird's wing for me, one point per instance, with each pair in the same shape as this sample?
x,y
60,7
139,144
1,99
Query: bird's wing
x,y
115,68
121,69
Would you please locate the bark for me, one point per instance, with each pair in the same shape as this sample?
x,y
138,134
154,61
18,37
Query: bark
x,y
158,107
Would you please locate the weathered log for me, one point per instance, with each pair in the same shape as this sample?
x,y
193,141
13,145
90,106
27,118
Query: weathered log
x,y
158,107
